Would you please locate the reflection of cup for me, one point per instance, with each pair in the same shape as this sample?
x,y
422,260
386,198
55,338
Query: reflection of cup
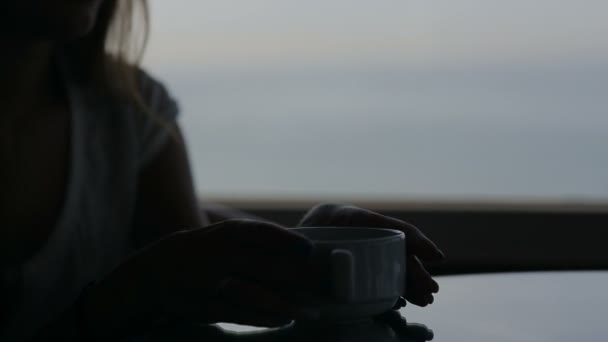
x,y
366,269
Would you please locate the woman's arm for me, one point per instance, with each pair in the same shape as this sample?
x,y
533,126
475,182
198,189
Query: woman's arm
x,y
166,201
218,213
202,274
116,304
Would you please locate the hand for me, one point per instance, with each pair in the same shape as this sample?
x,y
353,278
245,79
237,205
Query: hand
x,y
227,272
420,285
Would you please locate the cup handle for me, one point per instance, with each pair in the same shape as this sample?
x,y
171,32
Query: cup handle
x,y
342,270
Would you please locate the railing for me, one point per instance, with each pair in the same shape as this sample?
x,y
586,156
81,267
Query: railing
x,y
489,236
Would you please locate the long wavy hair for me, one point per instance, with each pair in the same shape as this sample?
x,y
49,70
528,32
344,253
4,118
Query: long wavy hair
x,y
109,55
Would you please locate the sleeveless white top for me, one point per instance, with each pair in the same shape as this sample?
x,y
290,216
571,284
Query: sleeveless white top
x,y
110,143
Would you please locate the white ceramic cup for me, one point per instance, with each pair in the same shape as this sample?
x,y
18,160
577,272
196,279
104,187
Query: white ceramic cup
x,y
366,269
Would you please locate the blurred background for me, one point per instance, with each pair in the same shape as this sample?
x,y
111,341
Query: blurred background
x,y
387,100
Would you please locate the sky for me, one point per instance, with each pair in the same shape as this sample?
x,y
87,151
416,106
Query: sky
x,y
389,98
228,33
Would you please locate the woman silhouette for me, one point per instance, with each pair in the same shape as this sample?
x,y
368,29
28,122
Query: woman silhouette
x,y
100,229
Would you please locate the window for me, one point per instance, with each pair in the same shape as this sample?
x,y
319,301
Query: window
x,y
387,99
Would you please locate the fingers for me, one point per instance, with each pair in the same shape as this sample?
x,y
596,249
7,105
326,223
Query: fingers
x,y
420,284
260,300
268,236
275,271
257,251
417,242
401,303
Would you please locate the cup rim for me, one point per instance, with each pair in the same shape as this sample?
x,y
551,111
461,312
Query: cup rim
x,y
397,235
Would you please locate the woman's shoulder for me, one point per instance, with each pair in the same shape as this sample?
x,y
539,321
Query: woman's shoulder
x,y
154,111
128,99
154,94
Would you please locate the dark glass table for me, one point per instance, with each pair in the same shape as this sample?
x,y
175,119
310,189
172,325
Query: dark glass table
x,y
534,306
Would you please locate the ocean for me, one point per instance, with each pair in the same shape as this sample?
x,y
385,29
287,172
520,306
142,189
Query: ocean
x,y
508,132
